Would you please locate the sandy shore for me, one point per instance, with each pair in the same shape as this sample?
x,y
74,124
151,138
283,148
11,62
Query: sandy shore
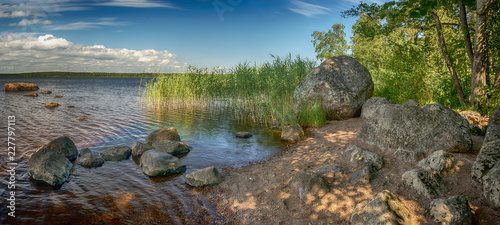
x,y
261,193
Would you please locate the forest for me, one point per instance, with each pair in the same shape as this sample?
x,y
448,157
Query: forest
x,y
432,51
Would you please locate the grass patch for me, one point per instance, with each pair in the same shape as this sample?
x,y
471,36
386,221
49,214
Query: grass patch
x,y
254,93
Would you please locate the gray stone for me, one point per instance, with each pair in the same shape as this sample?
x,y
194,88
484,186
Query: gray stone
x,y
453,210
166,134
292,133
209,176
156,163
51,104
475,129
117,153
65,146
364,157
439,161
89,159
342,85
491,185
425,181
384,208
49,166
368,175
20,87
84,152
411,102
489,154
172,147
407,155
32,94
243,135
335,170
425,128
139,148
370,105
308,182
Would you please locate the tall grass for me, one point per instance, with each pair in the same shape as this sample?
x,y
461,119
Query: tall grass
x,y
255,93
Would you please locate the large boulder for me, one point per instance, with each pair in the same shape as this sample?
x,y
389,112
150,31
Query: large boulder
x,y
489,154
165,134
491,185
172,147
49,166
426,182
205,177
383,208
342,85
116,153
65,146
309,183
89,159
292,133
139,148
156,163
372,103
20,87
451,210
425,128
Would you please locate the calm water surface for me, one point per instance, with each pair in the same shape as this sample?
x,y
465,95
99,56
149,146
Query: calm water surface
x,y
117,192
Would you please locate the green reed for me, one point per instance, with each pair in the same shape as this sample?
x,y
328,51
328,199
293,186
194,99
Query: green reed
x,y
254,93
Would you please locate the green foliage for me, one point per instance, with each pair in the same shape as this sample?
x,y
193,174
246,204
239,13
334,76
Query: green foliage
x,y
330,43
258,93
312,115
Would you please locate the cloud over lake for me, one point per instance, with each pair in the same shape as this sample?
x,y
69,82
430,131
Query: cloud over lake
x,y
28,53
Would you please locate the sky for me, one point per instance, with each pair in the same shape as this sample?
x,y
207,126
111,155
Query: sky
x,y
129,36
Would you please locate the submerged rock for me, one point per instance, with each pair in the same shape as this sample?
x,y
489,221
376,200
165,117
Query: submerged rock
x,y
49,166
425,128
89,159
65,146
58,96
117,153
384,208
451,210
46,92
166,134
20,87
243,135
292,133
205,177
51,104
156,163
139,148
342,85
172,147
32,94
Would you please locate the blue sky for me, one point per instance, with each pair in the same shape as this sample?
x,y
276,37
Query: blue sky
x,y
141,35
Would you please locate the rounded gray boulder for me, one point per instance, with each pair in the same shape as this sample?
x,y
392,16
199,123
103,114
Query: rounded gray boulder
x,y
205,177
89,159
165,134
340,83
172,147
116,153
49,166
156,163
65,146
292,133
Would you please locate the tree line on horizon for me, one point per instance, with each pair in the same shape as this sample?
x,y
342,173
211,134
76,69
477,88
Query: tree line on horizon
x,y
433,51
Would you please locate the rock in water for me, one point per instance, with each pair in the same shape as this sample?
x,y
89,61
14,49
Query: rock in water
x,y
205,177
65,146
425,128
88,159
139,148
156,163
51,104
166,134
20,87
342,85
451,210
49,166
32,94
172,147
46,92
383,208
243,135
117,153
292,133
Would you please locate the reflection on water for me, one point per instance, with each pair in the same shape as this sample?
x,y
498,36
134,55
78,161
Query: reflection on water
x,y
117,192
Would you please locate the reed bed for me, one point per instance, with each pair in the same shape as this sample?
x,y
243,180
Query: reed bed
x,y
252,93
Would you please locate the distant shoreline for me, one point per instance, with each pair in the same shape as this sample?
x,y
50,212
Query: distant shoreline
x,y
80,74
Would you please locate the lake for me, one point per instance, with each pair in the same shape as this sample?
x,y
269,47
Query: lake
x,y
117,192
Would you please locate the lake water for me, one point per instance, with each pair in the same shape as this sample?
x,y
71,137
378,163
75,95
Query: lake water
x,y
117,192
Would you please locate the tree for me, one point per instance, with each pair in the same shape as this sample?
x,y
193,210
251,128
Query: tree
x,y
479,66
330,43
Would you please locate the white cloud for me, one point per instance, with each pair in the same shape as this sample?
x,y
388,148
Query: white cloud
x,y
138,4
307,9
25,53
27,22
86,25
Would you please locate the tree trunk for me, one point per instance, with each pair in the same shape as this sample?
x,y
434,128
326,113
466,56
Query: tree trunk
x,y
453,73
497,79
478,78
465,30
